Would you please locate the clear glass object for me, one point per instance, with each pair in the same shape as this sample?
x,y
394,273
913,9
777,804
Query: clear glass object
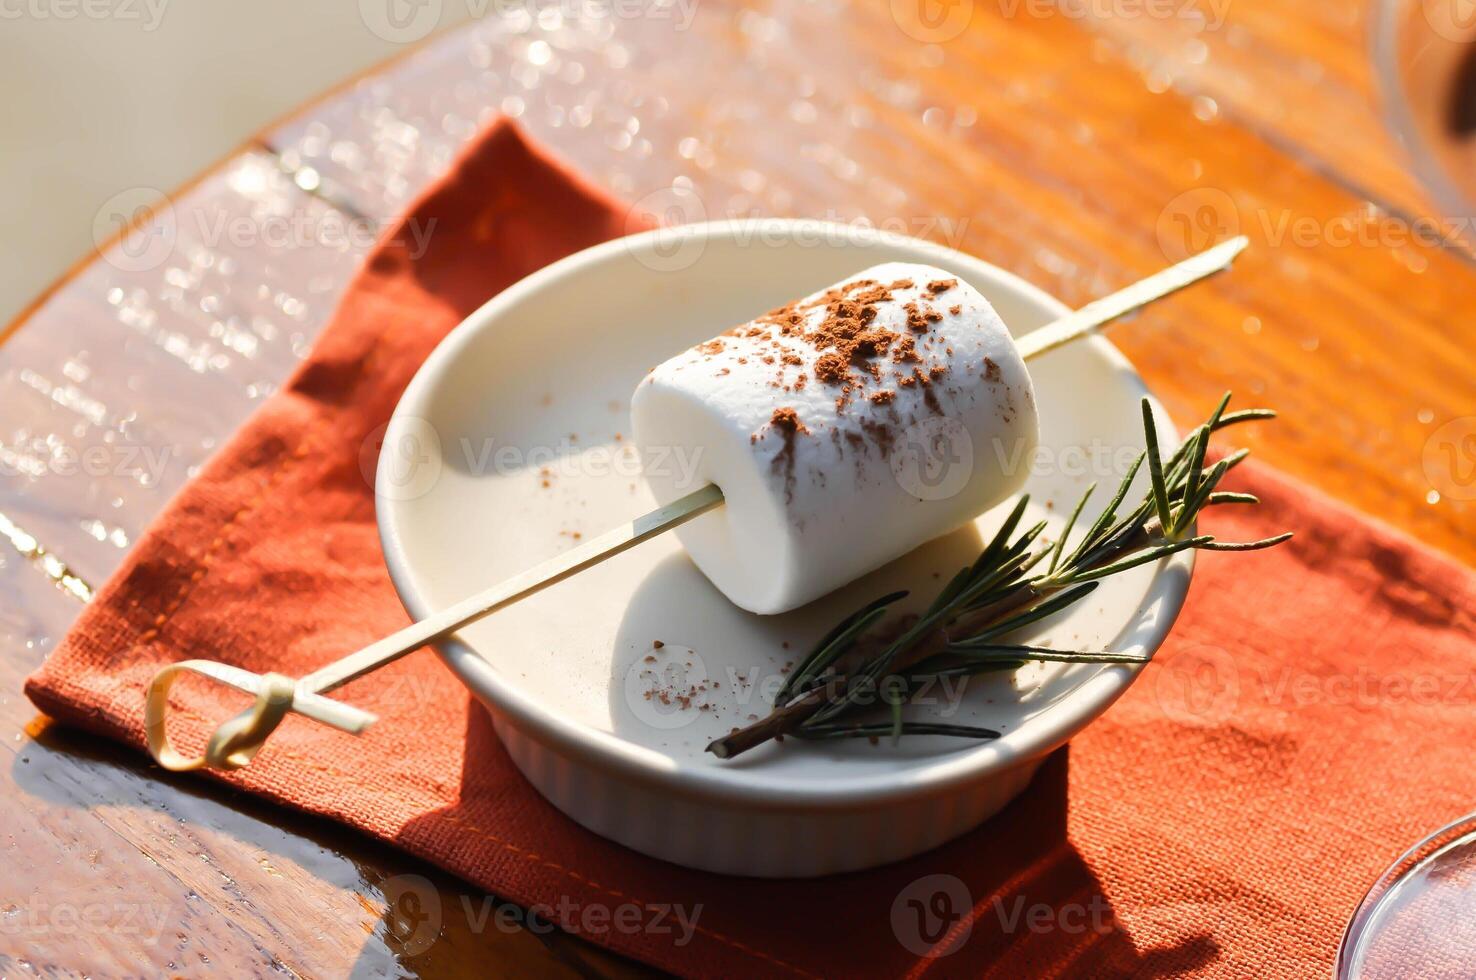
x,y
1425,56
1419,919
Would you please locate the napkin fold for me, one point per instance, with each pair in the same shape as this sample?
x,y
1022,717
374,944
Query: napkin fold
x,y
1308,720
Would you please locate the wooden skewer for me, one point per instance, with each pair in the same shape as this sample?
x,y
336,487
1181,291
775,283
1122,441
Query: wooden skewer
x,y
236,742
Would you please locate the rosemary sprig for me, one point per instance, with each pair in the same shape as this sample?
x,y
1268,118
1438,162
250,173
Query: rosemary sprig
x,y
865,665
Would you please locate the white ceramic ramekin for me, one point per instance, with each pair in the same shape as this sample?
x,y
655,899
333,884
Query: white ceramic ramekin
x,y
557,352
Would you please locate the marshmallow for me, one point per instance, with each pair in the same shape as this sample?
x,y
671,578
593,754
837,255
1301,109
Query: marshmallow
x,y
844,430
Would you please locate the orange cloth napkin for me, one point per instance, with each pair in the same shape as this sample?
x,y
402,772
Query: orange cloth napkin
x,y
1309,719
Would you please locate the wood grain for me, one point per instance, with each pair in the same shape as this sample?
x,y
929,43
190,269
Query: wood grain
x,y
1075,145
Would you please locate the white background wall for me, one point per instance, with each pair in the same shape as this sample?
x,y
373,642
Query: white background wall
x,y
97,96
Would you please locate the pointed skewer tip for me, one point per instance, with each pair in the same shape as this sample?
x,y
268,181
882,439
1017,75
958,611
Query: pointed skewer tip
x,y
1234,247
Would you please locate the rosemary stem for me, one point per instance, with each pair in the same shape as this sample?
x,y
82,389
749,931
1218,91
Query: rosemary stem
x,y
839,691
1000,594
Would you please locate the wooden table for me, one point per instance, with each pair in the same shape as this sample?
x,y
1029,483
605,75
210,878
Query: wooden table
x,y
1078,144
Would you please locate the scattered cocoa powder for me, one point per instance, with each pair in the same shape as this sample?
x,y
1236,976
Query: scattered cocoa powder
x,y
788,420
881,434
843,333
871,344
921,319
905,349
832,368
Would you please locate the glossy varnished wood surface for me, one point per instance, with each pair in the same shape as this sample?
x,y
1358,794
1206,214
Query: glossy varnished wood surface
x,y
1075,146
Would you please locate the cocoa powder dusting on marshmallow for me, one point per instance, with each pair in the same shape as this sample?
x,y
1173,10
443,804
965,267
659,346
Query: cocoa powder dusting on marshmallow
x,y
904,349
842,333
831,368
882,435
786,421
